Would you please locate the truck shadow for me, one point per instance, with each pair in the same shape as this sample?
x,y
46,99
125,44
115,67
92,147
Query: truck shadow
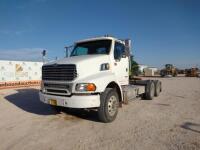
x,y
86,114
28,100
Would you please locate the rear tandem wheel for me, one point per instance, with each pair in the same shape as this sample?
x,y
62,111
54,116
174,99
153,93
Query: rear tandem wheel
x,y
149,90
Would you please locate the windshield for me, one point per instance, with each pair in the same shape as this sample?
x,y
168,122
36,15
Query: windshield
x,y
92,47
168,66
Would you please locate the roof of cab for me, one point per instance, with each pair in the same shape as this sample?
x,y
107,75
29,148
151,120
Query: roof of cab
x,y
99,38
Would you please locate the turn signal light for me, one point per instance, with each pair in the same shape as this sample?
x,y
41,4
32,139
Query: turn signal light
x,y
91,87
84,87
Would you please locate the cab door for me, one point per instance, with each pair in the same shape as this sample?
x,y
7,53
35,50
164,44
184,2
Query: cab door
x,y
121,64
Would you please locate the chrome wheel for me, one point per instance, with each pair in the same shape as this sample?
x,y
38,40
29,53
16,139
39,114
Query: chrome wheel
x,y
112,105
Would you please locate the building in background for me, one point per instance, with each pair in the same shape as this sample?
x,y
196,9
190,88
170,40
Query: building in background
x,y
154,69
19,73
150,71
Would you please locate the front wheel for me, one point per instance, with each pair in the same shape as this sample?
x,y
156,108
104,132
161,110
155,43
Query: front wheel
x,y
108,109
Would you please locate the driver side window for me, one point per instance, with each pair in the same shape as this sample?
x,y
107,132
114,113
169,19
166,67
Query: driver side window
x,y
119,50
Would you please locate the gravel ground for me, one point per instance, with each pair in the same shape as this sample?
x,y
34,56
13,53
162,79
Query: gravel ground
x,y
170,121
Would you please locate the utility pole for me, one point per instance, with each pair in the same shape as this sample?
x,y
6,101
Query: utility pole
x,y
43,56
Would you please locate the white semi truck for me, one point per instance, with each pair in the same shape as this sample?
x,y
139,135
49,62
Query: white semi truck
x,y
95,75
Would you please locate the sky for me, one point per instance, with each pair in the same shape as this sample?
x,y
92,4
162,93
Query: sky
x,y
162,31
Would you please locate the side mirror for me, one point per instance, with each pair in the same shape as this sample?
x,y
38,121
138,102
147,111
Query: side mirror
x,y
128,47
123,55
68,50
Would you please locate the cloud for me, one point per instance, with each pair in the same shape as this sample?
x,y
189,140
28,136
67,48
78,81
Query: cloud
x,y
14,33
5,32
20,32
24,54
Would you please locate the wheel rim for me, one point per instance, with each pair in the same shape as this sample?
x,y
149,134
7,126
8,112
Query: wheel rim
x,y
112,105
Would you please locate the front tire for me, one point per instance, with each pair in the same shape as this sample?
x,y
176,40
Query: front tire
x,y
108,109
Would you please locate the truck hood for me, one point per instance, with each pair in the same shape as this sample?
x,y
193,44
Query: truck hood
x,y
86,64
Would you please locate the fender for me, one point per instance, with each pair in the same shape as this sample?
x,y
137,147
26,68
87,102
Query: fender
x,y
101,80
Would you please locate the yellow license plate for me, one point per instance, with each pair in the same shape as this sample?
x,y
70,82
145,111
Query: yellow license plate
x,y
53,102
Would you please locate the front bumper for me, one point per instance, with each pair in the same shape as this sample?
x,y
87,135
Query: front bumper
x,y
75,101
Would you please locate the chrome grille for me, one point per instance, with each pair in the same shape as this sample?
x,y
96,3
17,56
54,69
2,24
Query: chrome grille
x,y
57,92
59,72
58,89
58,86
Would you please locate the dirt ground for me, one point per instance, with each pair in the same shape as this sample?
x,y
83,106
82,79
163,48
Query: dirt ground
x,y
170,121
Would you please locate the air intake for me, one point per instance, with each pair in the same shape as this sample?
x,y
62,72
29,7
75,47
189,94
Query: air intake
x,y
59,72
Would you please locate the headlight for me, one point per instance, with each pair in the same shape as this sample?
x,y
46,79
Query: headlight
x,y
105,66
82,87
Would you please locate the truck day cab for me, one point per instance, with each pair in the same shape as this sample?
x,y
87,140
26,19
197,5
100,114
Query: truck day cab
x,y
96,75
